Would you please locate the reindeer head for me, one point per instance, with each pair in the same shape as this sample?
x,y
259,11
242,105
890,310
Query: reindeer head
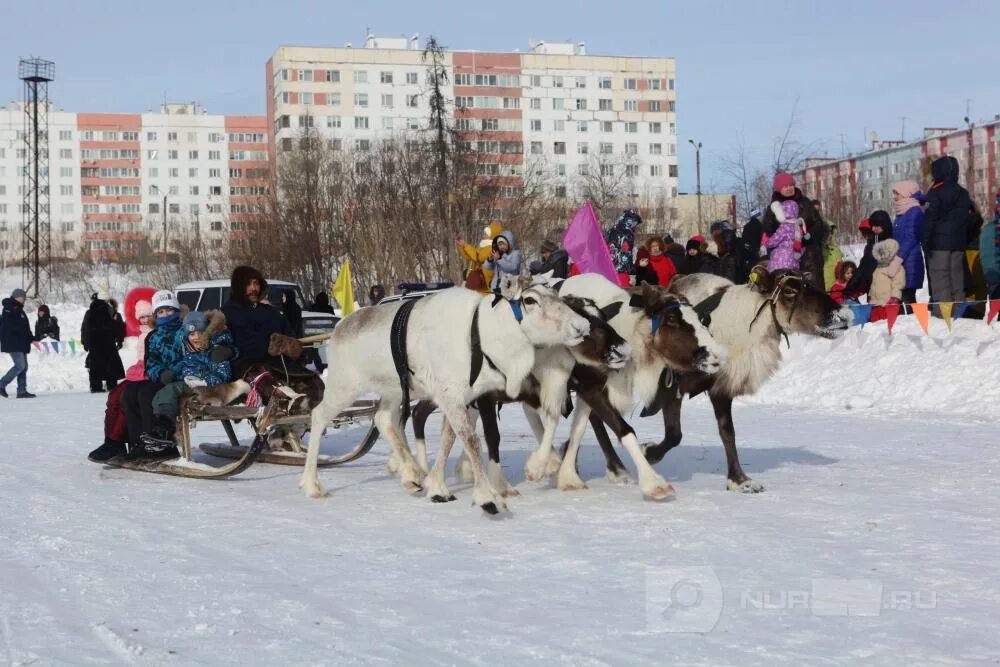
x,y
603,346
797,306
678,336
545,319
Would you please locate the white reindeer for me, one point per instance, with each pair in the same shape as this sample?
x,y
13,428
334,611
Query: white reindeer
x,y
440,357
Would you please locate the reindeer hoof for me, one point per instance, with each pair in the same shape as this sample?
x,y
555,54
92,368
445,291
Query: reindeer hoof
x,y
313,489
413,487
510,492
747,486
490,508
573,486
619,477
662,492
442,499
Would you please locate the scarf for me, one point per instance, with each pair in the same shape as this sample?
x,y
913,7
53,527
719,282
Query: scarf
x,y
168,321
906,190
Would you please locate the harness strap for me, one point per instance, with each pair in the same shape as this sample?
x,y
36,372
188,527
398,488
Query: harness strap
x,y
708,306
658,320
397,345
478,356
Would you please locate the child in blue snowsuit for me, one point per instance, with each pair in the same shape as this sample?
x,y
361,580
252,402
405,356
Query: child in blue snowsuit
x,y
208,350
621,244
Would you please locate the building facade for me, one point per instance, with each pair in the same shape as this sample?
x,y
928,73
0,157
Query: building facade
x,y
125,184
850,188
555,112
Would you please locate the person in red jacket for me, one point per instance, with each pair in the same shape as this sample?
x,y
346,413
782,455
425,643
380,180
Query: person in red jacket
x,y
658,260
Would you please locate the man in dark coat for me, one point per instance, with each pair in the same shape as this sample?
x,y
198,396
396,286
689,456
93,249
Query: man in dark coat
x,y
100,337
321,304
816,230
750,240
46,325
292,311
945,233
15,340
553,259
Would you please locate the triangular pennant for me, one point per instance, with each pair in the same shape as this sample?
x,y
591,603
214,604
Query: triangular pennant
x,y
862,313
946,308
994,309
961,307
55,346
920,310
891,313
72,346
37,346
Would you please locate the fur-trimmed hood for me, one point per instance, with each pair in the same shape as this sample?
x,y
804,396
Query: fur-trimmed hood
x,y
242,275
885,251
216,323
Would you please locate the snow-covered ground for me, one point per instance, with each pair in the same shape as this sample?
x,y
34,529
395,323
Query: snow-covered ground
x,y
871,545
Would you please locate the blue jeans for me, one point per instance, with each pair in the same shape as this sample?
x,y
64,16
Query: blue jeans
x,y
20,369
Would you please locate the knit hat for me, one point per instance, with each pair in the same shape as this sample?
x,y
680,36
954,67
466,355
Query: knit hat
x,y
165,299
693,244
103,293
19,294
782,180
697,237
880,219
143,308
549,246
642,253
864,225
195,321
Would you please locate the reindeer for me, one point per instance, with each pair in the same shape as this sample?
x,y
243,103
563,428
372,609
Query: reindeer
x,y
749,320
455,346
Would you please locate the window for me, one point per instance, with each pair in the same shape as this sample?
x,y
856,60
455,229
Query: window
x,y
631,84
362,145
581,82
463,79
214,137
192,172
385,77
193,190
66,153
581,104
192,137
486,79
387,123
605,148
559,125
656,106
214,155
109,136
606,126
411,78
560,170
670,84
305,75
582,170
581,126
536,125
66,190
631,149
672,171
464,102
130,136
632,170
559,147
67,209
333,75
65,135
582,148
489,124
561,191
174,172
360,76
558,103
307,99
361,122
174,208
656,149
557,82
361,100
631,127
604,105
412,101
631,105
512,103
192,155
656,170
672,106
653,84
171,136
305,121
536,147
413,123
333,121
64,172
333,99
673,129
655,128
154,172
171,155
387,101
604,82
215,172
536,81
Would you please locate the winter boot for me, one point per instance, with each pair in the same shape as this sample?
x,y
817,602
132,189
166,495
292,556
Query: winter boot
x,y
3,392
109,450
158,443
25,394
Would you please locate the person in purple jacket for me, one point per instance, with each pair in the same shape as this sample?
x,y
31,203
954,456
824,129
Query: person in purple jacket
x,y
785,244
907,229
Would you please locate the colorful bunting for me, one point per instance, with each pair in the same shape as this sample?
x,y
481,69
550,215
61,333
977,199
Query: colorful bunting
x,y
946,307
961,307
72,346
994,309
891,313
920,310
862,313
36,345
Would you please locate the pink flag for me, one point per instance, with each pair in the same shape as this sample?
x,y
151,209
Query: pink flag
x,y
586,246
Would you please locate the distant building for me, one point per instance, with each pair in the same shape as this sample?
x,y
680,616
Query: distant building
x,y
553,110
852,187
110,175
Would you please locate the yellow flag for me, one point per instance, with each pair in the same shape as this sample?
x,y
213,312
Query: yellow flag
x,y
342,290
946,312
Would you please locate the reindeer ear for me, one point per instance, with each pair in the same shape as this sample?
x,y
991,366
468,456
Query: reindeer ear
x,y
610,310
761,280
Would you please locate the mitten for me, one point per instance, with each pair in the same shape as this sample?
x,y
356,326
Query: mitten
x,y
221,353
166,377
285,346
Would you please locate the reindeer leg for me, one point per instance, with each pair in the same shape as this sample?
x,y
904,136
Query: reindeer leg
x,y
463,469
737,480
483,493
437,489
671,408
387,421
335,399
568,478
421,412
537,465
617,472
491,429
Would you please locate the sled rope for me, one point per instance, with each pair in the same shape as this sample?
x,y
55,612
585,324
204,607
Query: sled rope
x,y
254,397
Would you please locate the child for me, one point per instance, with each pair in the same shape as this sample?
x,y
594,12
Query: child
x,y
888,280
785,244
844,272
644,273
208,349
621,244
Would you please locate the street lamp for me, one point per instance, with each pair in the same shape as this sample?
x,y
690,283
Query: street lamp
x,y
156,189
697,163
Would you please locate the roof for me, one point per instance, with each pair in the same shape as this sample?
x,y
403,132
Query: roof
x,y
204,284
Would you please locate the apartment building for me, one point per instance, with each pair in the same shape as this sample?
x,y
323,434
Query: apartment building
x,y
122,184
854,186
552,112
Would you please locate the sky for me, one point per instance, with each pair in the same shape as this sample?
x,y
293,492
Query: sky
x,y
847,68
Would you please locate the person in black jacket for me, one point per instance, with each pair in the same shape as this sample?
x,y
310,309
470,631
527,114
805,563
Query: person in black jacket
x,y
15,340
554,259
817,231
945,233
99,335
750,240
875,228
321,304
292,311
46,325
119,324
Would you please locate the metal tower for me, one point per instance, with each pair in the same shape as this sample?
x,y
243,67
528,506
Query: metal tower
x,y
36,221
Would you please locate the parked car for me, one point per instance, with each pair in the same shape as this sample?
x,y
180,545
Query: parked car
x,y
211,294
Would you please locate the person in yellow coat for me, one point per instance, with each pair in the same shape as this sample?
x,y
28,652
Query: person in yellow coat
x,y
477,256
